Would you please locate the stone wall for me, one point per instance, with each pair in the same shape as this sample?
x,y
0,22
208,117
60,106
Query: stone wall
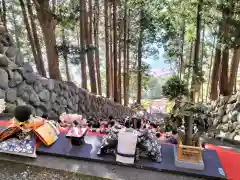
x,y
20,85
226,117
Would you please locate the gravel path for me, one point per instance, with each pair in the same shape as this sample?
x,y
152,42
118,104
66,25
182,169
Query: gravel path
x,y
18,171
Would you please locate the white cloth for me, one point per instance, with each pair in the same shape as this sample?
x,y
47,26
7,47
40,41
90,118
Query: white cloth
x,y
127,142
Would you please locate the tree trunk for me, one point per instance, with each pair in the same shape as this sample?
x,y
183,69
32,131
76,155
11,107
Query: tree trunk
x,y
235,86
120,63
216,72
234,69
65,55
4,13
223,85
139,57
96,33
108,75
202,57
182,48
125,49
1,12
16,32
195,81
120,51
91,63
111,50
36,40
115,64
82,42
30,36
210,69
190,63
128,58
48,24
227,14
53,6
189,133
195,70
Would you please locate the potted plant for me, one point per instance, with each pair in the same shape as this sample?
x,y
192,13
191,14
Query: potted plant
x,y
192,121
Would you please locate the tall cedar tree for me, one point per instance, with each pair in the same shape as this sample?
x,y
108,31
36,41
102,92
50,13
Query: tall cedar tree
x,y
65,54
139,56
4,13
39,64
210,69
216,67
96,34
36,39
110,8
234,69
48,24
107,53
195,86
120,32
227,12
83,43
91,63
125,45
115,64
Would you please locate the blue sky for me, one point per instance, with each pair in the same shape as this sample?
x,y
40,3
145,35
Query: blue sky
x,y
158,66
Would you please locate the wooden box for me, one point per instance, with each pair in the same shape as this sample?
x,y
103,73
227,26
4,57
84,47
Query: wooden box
x,y
189,153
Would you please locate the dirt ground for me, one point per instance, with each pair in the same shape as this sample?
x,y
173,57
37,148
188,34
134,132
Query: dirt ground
x,y
17,171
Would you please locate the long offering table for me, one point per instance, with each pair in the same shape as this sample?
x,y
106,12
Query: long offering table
x,y
88,151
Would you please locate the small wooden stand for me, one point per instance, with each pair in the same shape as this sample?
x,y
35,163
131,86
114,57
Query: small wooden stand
x,y
189,153
77,140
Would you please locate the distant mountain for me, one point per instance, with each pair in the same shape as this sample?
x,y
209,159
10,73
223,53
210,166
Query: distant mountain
x,y
158,66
